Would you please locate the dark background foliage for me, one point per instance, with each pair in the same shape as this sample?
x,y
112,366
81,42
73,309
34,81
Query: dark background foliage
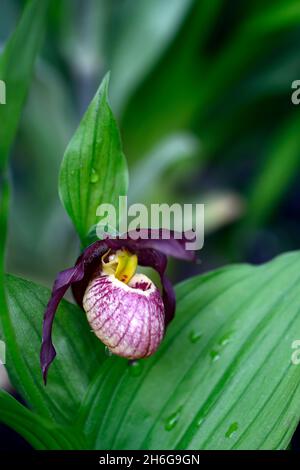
x,y
202,93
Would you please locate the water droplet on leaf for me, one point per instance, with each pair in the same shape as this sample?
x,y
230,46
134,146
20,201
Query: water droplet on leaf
x,y
172,420
232,429
94,176
199,422
215,355
135,368
225,339
194,336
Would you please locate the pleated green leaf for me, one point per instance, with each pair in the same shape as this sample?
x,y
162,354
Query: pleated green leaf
x,y
38,431
222,379
79,353
94,169
16,67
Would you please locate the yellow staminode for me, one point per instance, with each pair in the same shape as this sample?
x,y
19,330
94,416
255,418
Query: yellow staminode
x,y
121,264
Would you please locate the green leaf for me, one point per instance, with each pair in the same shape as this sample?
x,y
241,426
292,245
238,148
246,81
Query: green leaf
x,y
281,15
49,101
4,206
223,377
144,32
170,152
276,174
79,353
253,38
38,431
248,43
167,98
16,67
94,169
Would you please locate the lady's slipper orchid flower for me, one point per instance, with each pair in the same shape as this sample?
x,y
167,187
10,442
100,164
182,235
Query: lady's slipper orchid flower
x,y
124,308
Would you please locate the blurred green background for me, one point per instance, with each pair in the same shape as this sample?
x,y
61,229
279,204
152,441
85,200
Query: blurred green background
x,y
202,93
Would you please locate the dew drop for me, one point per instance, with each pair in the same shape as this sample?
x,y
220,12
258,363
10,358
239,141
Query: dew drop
x,y
194,336
215,355
225,339
108,352
172,420
135,368
94,176
200,421
232,430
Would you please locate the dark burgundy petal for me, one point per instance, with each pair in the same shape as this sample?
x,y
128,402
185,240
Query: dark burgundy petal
x,y
168,299
169,242
63,281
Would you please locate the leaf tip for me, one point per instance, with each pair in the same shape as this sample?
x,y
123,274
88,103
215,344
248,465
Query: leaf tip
x,y
104,85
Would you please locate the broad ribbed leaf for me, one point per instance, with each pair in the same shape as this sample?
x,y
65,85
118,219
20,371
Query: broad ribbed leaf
x,y
38,431
79,353
94,169
16,66
223,377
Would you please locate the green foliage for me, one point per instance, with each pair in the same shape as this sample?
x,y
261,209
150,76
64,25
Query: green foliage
x,y
197,88
169,96
94,169
177,150
236,387
279,169
79,352
37,430
16,66
142,29
4,202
